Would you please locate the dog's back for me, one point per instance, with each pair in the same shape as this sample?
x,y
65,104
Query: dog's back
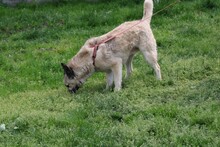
x,y
147,14
133,35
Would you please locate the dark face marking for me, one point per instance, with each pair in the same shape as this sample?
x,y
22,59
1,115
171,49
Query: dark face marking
x,y
68,71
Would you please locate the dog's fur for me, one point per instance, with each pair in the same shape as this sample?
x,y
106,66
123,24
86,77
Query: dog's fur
x,y
113,54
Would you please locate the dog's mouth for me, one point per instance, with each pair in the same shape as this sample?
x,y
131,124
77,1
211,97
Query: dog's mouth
x,y
76,88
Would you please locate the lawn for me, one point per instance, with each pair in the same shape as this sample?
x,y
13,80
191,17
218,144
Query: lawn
x,y
181,110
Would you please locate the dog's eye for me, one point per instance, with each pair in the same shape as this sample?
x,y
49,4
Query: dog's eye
x,y
67,86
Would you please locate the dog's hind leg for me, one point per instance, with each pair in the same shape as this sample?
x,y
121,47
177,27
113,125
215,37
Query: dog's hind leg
x,y
151,58
129,66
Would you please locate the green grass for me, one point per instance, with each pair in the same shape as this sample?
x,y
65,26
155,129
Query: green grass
x,y
181,110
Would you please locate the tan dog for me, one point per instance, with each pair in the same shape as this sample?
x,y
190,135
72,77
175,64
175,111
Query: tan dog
x,y
111,55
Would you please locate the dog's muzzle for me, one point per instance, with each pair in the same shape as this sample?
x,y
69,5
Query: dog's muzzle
x,y
72,91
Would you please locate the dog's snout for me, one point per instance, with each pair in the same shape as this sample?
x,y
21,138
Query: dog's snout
x,y
72,91
77,87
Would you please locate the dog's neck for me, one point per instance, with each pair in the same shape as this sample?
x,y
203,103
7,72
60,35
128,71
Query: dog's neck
x,y
82,65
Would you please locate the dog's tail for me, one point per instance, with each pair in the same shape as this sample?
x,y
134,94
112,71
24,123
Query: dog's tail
x,y
148,9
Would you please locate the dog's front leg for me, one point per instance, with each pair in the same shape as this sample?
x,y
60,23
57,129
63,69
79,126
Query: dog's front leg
x,y
109,80
117,73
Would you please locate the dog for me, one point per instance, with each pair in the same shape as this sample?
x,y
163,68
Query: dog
x,y
109,56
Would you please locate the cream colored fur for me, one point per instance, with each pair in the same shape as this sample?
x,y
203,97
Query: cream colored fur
x,y
113,54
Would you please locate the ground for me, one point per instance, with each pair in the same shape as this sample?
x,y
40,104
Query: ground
x,y
181,110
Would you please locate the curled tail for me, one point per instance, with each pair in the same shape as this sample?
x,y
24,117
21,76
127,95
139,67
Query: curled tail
x,y
148,9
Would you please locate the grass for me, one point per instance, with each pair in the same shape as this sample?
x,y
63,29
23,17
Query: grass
x,y
181,110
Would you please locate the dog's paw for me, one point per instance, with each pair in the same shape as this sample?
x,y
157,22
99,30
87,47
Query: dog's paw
x,y
116,89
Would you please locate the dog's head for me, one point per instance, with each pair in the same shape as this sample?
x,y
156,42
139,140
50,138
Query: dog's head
x,y
71,79
79,68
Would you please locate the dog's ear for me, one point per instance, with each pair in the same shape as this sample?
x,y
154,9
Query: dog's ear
x,y
68,71
83,54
